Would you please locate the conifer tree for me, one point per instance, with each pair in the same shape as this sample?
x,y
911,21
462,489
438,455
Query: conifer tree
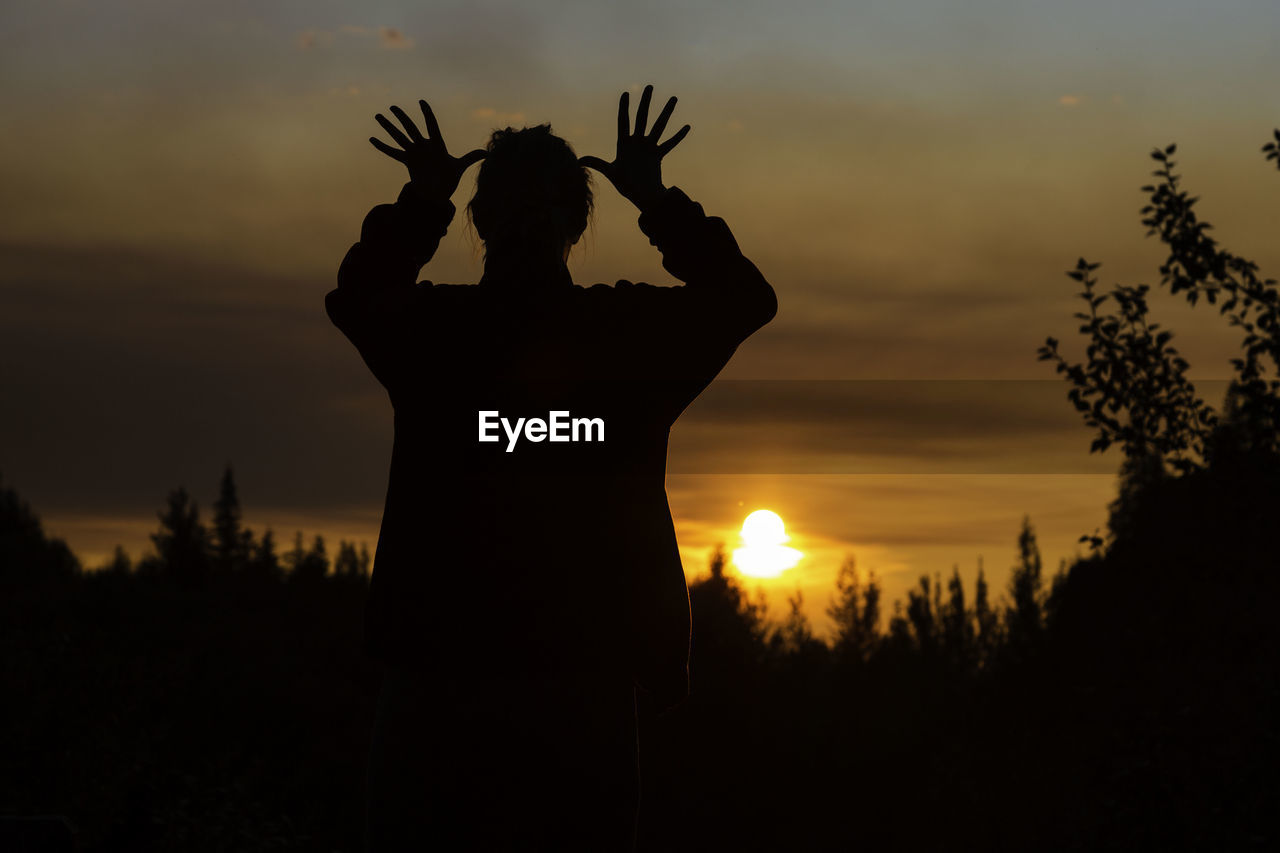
x,y
295,556
922,617
230,548
25,550
1024,617
957,625
265,562
312,565
119,563
856,614
728,628
986,620
182,542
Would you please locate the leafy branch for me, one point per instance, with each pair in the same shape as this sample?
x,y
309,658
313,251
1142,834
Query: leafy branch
x,y
1272,149
1133,389
1197,267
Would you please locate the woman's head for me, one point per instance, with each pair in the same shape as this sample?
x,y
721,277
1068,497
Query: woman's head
x,y
533,199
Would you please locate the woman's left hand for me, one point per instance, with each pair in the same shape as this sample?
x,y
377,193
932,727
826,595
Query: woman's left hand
x,y
636,170
432,169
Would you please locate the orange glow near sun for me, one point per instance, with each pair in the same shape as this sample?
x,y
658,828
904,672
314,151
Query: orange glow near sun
x,y
763,553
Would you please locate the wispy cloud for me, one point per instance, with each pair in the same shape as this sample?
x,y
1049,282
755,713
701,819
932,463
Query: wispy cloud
x,y
1071,100
312,38
388,38
489,114
392,39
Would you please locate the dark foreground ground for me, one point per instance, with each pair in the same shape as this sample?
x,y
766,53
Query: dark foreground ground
x,y
234,715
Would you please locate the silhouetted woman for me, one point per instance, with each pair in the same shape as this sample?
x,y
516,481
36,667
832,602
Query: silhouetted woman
x,y
527,578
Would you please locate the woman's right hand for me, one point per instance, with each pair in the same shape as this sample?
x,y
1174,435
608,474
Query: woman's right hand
x,y
432,169
636,170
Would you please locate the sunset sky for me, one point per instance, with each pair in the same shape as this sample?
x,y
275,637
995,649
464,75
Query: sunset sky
x,y
180,180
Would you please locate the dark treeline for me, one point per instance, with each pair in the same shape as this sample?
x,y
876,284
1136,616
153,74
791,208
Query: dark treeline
x,y
187,550
213,696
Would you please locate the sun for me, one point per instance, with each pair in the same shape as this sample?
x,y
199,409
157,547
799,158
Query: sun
x,y
763,554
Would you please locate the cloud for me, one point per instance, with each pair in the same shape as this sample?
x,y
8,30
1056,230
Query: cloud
x,y
313,38
134,385
491,115
1071,100
389,38
393,39
875,426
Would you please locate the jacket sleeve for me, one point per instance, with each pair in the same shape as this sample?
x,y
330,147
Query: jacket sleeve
x,y
377,280
724,300
701,251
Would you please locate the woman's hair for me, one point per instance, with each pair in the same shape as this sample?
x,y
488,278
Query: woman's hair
x,y
532,196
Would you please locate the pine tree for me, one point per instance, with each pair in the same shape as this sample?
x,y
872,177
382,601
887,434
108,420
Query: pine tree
x,y
347,563
1057,591
230,551
728,628
856,614
957,625
899,639
119,563
922,617
311,565
182,543
25,550
986,620
796,634
1024,618
265,562
351,562
296,556
317,559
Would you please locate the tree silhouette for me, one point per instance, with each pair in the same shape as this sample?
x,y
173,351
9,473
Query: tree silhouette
x,y
898,640
232,543
1158,645
309,566
958,636
182,542
922,617
25,550
986,620
1197,267
856,614
350,563
1133,390
264,562
1024,617
295,556
120,563
729,630
794,637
